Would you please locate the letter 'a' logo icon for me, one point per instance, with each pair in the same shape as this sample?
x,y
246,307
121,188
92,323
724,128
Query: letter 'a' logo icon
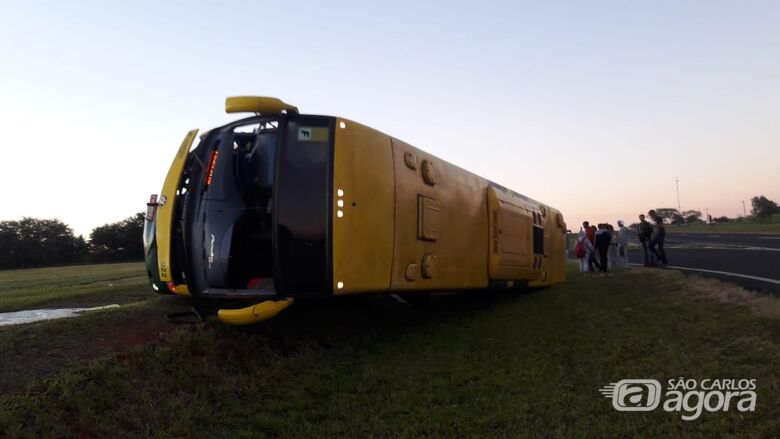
x,y
633,395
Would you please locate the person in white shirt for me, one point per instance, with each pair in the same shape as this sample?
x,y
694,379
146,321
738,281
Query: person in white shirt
x,y
622,243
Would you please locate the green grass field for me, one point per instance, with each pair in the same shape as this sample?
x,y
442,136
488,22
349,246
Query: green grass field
x,y
733,227
745,225
485,364
83,285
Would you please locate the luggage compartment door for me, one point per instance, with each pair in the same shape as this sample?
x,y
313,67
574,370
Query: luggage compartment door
x,y
511,241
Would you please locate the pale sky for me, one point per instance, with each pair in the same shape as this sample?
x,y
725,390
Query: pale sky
x,y
592,107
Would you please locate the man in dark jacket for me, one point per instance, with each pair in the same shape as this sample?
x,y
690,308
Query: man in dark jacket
x,y
657,240
603,239
644,233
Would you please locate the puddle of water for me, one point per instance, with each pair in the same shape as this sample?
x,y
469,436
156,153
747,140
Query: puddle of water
x,y
37,315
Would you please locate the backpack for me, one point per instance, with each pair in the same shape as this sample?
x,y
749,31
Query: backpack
x,y
579,250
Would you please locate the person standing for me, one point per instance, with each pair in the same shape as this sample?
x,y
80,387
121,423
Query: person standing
x,y
657,240
613,246
644,233
590,235
603,239
584,252
590,231
622,244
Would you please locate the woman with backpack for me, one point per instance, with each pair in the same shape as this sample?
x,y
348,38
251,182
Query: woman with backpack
x,y
584,251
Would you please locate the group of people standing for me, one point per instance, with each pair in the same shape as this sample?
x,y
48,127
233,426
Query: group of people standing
x,y
652,240
602,246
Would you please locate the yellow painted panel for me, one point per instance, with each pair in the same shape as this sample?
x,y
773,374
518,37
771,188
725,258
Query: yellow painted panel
x,y
515,231
164,225
257,104
556,259
461,247
554,264
182,290
255,313
363,233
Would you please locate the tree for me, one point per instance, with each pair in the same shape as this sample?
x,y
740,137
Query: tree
x,y
122,240
669,215
9,243
691,216
80,248
36,242
763,207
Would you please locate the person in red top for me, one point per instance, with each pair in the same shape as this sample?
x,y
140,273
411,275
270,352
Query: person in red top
x,y
590,234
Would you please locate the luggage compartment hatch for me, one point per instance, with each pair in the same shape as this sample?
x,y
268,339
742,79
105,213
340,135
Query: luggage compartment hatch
x,y
511,237
428,213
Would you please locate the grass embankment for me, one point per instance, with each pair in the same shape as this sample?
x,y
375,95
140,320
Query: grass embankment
x,y
76,286
467,365
726,228
44,349
769,225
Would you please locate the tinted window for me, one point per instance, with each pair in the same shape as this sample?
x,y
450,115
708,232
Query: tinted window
x,y
303,206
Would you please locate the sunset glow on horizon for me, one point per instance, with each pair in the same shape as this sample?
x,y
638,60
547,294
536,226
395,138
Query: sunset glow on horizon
x,y
596,109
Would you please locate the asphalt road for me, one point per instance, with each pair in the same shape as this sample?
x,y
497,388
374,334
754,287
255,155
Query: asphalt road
x,y
753,260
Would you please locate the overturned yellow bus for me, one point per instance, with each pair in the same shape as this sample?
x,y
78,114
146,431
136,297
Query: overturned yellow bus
x,y
281,205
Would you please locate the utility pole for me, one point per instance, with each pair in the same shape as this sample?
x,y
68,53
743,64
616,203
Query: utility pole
x,y
744,209
677,180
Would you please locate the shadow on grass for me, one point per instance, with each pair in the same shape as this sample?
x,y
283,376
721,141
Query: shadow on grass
x,y
376,317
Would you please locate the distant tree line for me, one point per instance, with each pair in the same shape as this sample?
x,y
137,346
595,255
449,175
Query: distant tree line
x,y
674,216
762,209
33,242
